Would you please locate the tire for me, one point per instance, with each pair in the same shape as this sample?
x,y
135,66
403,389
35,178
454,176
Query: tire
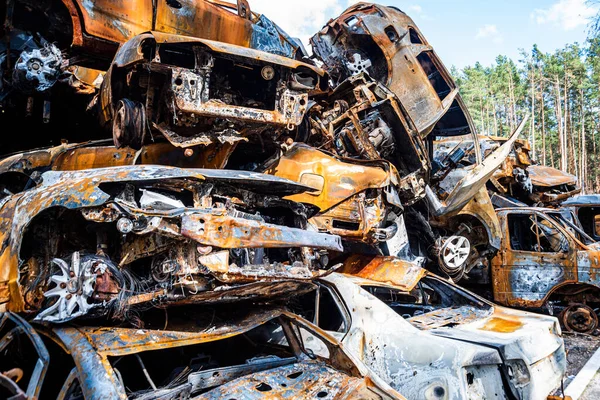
x,y
129,124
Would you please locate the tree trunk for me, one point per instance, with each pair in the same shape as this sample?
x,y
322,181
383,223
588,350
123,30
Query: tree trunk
x,y
532,130
558,110
583,157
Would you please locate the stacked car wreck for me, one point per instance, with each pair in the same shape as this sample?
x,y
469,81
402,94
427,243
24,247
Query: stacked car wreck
x,y
261,223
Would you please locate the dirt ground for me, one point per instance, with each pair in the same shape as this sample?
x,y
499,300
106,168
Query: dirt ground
x,y
579,350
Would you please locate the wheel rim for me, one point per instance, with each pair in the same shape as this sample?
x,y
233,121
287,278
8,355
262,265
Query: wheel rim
x,y
579,318
455,252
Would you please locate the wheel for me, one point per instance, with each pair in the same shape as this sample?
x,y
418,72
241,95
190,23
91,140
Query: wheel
x,y
129,123
579,318
454,254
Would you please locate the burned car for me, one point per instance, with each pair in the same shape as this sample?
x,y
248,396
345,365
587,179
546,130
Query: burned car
x,y
429,338
519,177
53,53
197,92
99,242
547,262
246,354
587,209
38,32
385,43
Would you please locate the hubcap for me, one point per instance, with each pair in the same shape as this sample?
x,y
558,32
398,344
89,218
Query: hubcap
x,y
455,252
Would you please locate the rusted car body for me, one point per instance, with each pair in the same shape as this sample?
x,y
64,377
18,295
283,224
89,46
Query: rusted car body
x,y
548,262
429,338
197,92
92,31
104,240
22,171
519,176
386,43
587,209
249,355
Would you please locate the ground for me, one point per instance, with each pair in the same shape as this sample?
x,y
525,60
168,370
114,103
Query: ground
x,y
579,350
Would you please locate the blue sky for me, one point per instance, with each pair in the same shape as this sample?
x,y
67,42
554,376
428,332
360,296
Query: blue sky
x,y
461,31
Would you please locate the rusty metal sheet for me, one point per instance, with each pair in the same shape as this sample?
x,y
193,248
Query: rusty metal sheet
x,y
91,155
230,232
114,341
544,176
114,20
313,380
475,179
387,270
130,51
331,181
99,26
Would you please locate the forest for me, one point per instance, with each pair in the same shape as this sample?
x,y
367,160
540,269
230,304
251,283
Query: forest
x,y
561,93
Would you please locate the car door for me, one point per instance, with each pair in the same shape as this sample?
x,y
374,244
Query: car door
x,y
536,255
208,19
24,359
116,20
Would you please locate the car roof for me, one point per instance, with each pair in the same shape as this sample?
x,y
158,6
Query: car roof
x,y
583,200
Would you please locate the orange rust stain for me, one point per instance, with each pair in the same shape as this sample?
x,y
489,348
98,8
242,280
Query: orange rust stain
x,y
502,325
388,270
341,179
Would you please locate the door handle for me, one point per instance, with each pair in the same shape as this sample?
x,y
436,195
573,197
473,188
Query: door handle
x,y
174,4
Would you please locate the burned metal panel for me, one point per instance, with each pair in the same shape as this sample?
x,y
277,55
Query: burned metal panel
x,y
114,20
339,375
306,380
80,190
230,232
122,341
544,176
475,179
584,200
388,270
331,180
530,344
97,378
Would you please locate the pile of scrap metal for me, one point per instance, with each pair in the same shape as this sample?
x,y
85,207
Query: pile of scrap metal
x,y
520,180
260,222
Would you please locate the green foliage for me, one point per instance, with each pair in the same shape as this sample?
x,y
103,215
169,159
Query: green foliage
x,y
561,90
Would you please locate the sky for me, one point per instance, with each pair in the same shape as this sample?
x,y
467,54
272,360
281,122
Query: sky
x,y
461,31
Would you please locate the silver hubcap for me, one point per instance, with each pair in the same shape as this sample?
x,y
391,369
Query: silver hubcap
x,y
455,252
73,286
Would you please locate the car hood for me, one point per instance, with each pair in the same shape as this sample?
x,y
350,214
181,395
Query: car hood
x,y
516,334
544,176
302,380
476,178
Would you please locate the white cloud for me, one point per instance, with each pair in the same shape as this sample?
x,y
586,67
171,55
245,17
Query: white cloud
x,y
568,14
489,32
302,18
415,8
